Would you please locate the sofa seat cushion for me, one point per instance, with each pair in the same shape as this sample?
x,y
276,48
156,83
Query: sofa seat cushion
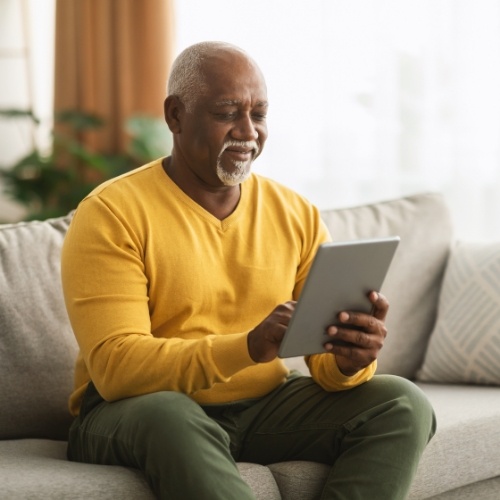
x,y
260,479
466,447
485,490
465,453
38,468
300,480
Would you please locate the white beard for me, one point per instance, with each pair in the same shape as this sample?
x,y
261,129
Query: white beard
x,y
240,173
241,170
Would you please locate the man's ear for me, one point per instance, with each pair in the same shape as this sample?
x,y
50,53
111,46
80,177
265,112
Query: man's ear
x,y
173,109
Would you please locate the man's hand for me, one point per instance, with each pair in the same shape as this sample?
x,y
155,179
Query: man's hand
x,y
265,339
360,345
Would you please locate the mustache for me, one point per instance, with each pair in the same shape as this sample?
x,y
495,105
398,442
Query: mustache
x,y
242,144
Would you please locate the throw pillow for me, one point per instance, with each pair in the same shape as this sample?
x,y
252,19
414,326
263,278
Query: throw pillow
x,y
465,344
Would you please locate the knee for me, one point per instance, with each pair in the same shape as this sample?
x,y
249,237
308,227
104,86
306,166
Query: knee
x,y
411,408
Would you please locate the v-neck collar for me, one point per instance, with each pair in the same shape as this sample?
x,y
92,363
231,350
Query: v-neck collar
x,y
223,224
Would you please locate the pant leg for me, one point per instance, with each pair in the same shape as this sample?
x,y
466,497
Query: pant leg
x,y
372,435
183,453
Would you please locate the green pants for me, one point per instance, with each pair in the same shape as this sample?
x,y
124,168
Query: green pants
x,y
372,436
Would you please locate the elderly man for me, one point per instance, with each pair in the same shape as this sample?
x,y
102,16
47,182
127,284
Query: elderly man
x,y
180,279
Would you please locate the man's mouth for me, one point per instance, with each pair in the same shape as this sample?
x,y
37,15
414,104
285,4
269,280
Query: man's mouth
x,y
241,151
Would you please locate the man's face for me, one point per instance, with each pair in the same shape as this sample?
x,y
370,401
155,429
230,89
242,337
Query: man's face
x,y
226,128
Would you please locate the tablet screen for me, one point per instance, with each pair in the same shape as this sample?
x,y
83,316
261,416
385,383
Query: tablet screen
x,y
340,279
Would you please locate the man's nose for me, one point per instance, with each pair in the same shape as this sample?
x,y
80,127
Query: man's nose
x,y
245,129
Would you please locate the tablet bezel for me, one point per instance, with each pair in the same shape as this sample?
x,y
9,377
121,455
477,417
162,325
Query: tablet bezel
x,y
341,276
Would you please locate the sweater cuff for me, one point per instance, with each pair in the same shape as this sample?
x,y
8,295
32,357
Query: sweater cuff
x,y
326,373
230,353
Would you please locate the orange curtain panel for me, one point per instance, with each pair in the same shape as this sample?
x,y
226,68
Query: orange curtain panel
x,y
112,59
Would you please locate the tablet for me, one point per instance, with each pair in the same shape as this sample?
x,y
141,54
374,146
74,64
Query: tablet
x,y
340,278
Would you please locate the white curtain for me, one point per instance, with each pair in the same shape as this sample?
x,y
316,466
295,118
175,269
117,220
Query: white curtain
x,y
373,99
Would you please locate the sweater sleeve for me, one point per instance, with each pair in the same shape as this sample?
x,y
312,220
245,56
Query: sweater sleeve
x,y
105,287
325,372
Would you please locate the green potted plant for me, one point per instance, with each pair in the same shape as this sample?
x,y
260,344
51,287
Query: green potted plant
x,y
52,184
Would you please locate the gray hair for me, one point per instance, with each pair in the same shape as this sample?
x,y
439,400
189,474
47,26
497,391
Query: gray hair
x,y
186,80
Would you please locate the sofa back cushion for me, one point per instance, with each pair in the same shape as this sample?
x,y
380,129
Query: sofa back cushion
x,y
37,346
414,279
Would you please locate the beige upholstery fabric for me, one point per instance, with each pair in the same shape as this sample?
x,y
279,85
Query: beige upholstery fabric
x,y
465,344
465,449
38,469
37,345
260,479
37,351
300,480
488,489
464,454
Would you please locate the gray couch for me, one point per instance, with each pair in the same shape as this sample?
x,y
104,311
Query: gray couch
x,y
431,340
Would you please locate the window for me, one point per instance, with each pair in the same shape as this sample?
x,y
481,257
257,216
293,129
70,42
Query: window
x,y
371,100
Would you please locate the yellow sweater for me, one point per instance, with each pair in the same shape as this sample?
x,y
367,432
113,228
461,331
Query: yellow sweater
x,y
161,294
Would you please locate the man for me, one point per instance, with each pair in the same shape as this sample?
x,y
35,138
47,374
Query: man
x,y
180,279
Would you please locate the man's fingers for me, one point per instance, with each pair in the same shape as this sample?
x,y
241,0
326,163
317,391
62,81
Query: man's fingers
x,y
380,303
284,312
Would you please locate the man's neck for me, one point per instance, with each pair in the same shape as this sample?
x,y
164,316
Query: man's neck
x,y
219,201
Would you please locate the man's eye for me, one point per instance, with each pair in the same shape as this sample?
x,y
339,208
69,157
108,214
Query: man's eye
x,y
225,116
259,117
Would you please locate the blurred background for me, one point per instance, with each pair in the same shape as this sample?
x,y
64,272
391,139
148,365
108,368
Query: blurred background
x,y
369,99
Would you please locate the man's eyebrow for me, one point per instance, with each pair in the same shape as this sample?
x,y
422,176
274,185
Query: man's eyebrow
x,y
236,102
228,102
